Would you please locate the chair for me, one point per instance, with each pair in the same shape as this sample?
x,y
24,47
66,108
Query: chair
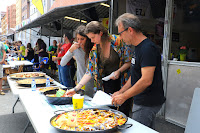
x,y
32,60
11,71
42,64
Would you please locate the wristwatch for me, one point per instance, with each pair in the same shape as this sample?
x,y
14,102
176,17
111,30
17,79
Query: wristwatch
x,y
75,89
80,91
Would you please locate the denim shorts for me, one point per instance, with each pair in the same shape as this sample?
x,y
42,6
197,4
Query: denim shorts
x,y
145,114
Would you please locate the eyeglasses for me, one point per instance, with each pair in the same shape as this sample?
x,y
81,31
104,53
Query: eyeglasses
x,y
122,31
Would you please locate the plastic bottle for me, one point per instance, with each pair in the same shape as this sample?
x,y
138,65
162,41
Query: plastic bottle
x,y
94,90
33,85
47,82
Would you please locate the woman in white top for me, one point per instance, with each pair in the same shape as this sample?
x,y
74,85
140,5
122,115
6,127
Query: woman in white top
x,y
80,52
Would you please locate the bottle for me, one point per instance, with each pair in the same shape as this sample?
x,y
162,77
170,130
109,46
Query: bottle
x,y
94,91
47,82
33,85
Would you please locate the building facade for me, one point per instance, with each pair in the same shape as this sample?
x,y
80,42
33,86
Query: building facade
x,y
11,16
25,9
1,16
4,27
34,13
18,12
29,13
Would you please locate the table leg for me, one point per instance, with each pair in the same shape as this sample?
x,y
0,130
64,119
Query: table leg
x,y
26,126
15,105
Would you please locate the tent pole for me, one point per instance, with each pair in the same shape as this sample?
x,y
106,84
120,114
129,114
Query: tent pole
x,y
49,40
41,32
167,40
111,17
62,30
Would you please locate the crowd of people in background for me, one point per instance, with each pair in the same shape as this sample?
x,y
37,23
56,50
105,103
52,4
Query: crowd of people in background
x,y
135,75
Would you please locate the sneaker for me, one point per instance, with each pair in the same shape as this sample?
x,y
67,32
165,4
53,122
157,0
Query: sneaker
x,y
2,93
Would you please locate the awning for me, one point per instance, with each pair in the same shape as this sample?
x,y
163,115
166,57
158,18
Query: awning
x,y
60,12
48,31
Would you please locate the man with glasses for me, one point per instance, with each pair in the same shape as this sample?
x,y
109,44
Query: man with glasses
x,y
145,84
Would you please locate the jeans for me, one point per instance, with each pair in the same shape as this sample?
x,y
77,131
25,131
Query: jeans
x,y
66,75
144,114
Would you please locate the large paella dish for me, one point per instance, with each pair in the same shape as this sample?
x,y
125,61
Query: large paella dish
x,y
89,120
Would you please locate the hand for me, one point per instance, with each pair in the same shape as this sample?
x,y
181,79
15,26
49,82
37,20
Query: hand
x,y
116,75
74,46
116,93
59,45
54,58
118,100
1,62
69,93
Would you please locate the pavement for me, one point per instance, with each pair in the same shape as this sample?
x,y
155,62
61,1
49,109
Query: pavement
x,y
16,122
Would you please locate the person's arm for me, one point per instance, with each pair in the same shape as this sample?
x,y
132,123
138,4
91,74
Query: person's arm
x,y
8,50
86,78
56,58
40,50
49,50
59,46
120,70
125,55
145,81
19,52
124,88
16,48
26,53
4,56
66,58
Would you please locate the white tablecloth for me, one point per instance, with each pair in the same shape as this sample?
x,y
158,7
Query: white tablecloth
x,y
18,63
40,113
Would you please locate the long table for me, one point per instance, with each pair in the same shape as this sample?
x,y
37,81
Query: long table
x,y
18,63
17,89
40,112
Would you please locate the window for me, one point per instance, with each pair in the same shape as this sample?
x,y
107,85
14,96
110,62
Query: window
x,y
185,32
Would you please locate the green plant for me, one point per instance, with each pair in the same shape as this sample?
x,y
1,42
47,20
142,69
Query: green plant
x,y
183,50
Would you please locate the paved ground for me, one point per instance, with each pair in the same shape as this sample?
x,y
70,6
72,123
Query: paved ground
x,y
15,123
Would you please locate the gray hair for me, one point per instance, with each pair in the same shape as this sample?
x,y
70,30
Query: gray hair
x,y
129,20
